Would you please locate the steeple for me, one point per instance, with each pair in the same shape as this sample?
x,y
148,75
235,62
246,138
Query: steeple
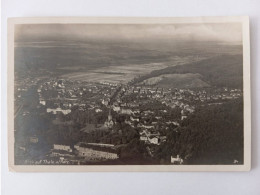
x,y
109,122
109,118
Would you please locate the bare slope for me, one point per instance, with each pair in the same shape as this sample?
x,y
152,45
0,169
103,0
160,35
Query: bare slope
x,y
220,71
188,80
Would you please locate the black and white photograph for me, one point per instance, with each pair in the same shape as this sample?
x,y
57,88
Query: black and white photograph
x,y
152,94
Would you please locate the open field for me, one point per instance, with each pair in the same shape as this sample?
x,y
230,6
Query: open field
x,y
188,80
99,60
114,74
124,73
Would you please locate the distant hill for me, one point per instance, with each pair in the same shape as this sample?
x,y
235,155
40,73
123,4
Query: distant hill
x,y
188,80
66,57
220,71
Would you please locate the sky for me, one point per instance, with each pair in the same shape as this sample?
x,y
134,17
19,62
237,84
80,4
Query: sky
x,y
225,32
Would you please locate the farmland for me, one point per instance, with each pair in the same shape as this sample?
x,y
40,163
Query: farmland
x,y
188,80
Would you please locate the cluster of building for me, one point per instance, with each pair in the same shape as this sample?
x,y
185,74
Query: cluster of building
x,y
144,108
152,137
130,100
79,153
59,95
84,152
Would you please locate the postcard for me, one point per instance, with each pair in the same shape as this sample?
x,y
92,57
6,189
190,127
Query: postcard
x,y
129,94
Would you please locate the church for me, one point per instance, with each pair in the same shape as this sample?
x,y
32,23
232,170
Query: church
x,y
109,122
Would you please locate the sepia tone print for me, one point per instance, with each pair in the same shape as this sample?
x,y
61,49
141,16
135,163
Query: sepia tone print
x,y
170,94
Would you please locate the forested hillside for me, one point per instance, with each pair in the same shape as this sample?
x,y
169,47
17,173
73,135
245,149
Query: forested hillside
x,y
219,71
212,135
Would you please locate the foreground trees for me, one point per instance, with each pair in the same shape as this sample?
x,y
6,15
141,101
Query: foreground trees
x,y
212,135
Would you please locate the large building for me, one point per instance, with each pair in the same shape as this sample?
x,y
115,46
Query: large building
x,y
62,147
91,152
61,151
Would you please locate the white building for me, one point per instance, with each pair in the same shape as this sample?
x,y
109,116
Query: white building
x,y
154,140
126,111
62,147
105,102
43,102
183,117
55,110
134,119
98,110
116,108
150,138
176,160
94,154
143,137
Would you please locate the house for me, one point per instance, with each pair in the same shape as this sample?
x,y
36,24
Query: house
x,y
116,108
183,114
61,153
147,126
33,139
98,110
134,119
43,102
62,147
176,160
56,110
105,102
153,140
173,122
67,104
183,117
136,111
126,111
235,161
143,137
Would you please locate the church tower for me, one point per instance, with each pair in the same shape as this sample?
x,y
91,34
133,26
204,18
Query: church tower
x,y
109,118
109,122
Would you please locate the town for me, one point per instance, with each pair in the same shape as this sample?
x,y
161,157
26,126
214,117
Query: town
x,y
113,110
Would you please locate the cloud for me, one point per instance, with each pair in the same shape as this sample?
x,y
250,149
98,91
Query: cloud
x,y
228,32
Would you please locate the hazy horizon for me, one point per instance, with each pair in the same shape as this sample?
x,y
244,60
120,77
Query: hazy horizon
x,y
151,33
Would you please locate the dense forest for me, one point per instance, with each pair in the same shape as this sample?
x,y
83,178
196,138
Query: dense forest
x,y
213,70
212,135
